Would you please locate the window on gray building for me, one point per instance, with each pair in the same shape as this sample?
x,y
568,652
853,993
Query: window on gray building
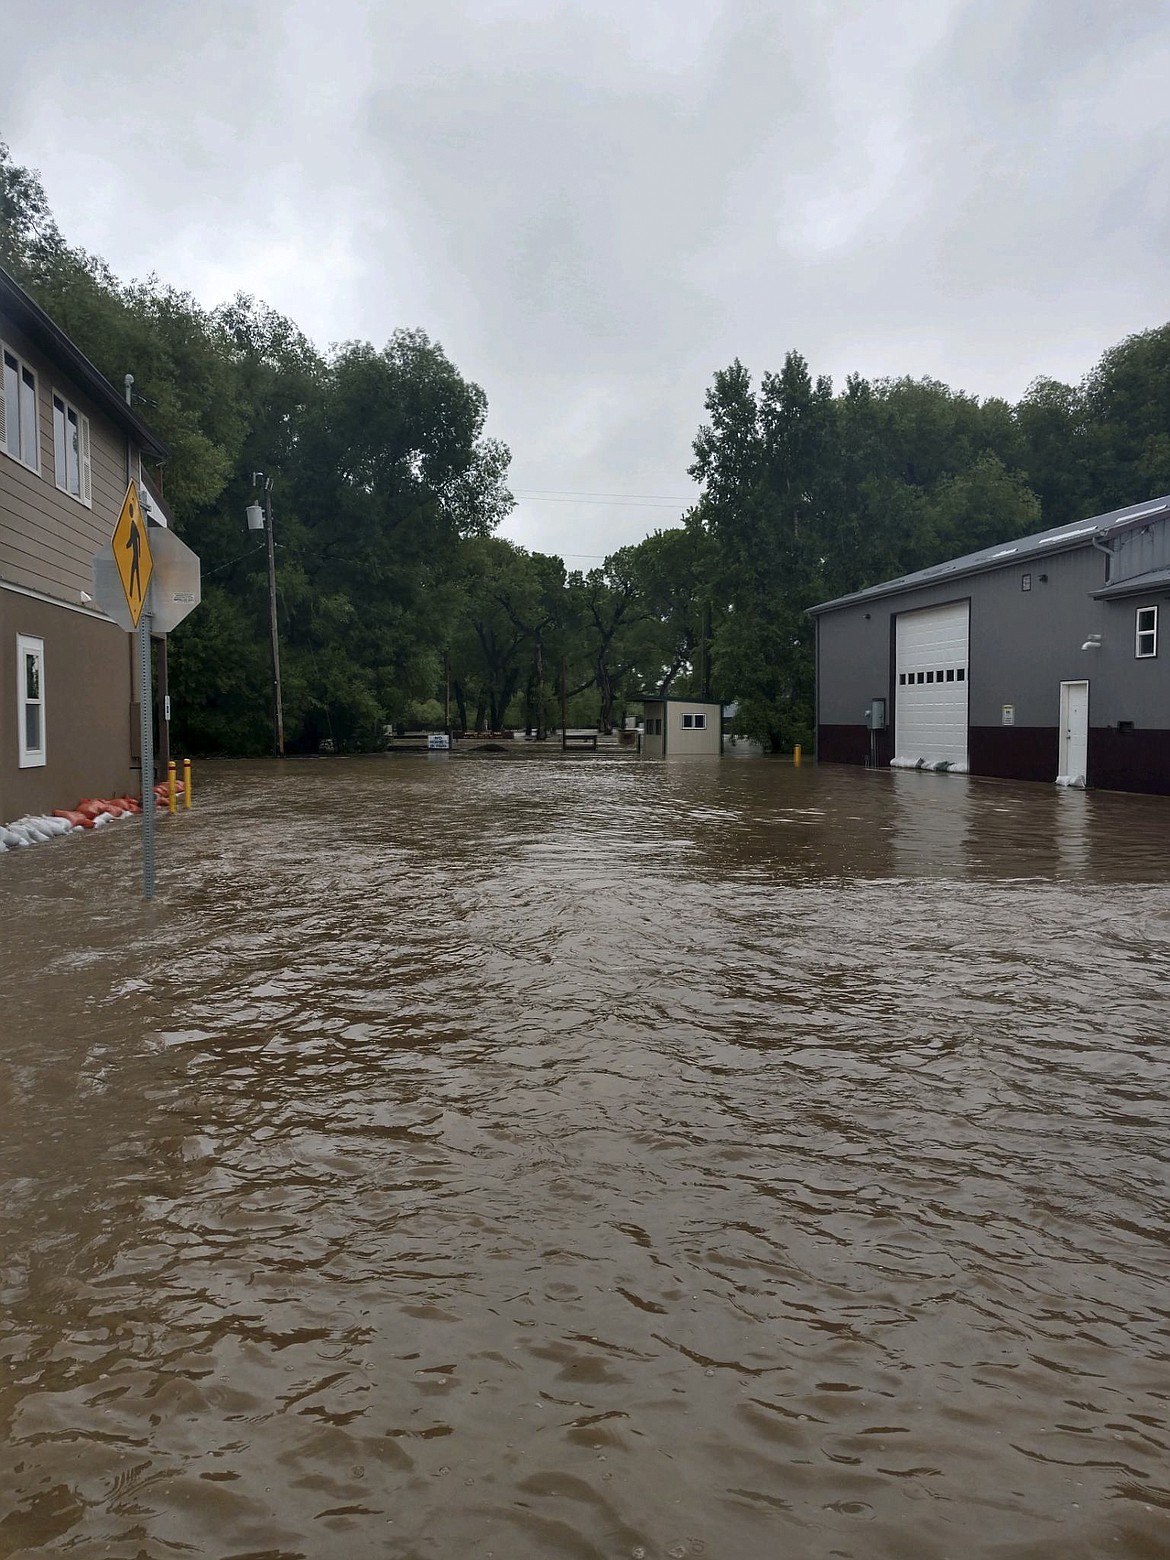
x,y
1146,633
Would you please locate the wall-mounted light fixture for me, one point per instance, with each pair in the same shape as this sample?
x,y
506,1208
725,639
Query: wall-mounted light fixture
x,y
1092,643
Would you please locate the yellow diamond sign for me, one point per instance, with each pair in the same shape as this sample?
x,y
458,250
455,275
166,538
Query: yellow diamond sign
x,y
132,553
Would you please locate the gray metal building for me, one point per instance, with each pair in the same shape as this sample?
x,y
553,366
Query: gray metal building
x,y
1041,659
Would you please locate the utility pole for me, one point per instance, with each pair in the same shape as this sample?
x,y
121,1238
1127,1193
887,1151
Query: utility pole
x,y
277,700
262,519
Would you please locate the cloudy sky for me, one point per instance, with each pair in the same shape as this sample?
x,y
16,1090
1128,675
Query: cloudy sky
x,y
595,204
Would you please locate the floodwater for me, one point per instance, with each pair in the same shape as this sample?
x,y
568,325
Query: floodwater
x,y
533,1157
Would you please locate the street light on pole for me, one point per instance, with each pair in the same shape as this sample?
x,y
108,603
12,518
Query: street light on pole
x,y
260,519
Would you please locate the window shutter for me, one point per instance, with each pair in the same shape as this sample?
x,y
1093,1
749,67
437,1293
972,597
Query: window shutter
x,y
83,442
3,414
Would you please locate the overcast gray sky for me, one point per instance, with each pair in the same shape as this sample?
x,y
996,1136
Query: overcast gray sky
x,y
595,204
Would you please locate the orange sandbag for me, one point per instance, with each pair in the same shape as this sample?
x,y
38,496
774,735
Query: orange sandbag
x,y
78,820
90,808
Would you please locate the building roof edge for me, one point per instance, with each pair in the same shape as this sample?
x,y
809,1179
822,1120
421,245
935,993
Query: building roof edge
x,y
42,329
1005,555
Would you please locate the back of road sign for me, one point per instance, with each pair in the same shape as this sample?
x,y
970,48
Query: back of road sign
x,y
177,586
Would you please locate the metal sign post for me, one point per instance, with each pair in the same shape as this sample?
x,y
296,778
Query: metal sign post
x,y
125,587
134,562
147,581
146,728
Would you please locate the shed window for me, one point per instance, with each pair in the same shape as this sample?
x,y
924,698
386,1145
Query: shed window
x,y
1146,634
30,701
694,722
18,411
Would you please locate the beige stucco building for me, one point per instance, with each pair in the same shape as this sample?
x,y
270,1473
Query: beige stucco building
x,y
681,726
69,446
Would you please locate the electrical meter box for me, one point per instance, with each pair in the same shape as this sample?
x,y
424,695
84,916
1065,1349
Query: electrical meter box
x,y
875,716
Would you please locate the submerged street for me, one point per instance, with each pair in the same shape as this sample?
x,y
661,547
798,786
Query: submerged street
x,y
525,1156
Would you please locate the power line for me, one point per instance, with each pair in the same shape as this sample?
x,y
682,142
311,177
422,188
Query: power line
x,y
624,500
587,493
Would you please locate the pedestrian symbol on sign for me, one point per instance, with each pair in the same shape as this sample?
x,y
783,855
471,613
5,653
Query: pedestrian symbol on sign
x,y
132,553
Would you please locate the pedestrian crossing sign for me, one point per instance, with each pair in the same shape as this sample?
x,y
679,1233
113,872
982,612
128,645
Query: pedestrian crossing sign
x,y
132,555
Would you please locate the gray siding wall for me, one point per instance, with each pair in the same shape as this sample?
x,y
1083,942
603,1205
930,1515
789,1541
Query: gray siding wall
x,y
47,538
1137,552
1023,645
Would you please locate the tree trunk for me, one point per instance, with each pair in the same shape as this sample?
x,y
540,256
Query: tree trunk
x,y
605,688
538,669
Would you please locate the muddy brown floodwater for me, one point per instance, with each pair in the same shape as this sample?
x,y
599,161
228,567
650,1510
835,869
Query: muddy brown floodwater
x,y
524,1158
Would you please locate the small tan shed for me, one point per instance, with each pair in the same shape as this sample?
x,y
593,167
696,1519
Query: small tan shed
x,y
681,726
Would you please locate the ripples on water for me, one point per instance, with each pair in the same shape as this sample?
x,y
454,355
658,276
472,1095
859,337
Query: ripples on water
x,y
589,1158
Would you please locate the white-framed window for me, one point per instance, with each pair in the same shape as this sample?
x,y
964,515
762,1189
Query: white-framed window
x,y
30,700
19,433
1146,633
71,464
694,722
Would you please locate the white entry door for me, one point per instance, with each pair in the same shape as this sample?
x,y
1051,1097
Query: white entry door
x,y
1074,733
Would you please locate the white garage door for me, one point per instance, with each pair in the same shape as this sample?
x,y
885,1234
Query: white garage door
x,y
930,688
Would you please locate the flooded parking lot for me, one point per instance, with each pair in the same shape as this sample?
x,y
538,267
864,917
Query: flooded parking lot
x,y
537,1157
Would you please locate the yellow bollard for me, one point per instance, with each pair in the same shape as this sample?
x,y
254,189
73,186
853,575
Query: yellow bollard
x,y
171,787
186,782
796,755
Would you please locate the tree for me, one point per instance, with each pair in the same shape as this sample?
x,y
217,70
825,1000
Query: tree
x,y
666,639
765,463
28,232
1127,420
491,650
